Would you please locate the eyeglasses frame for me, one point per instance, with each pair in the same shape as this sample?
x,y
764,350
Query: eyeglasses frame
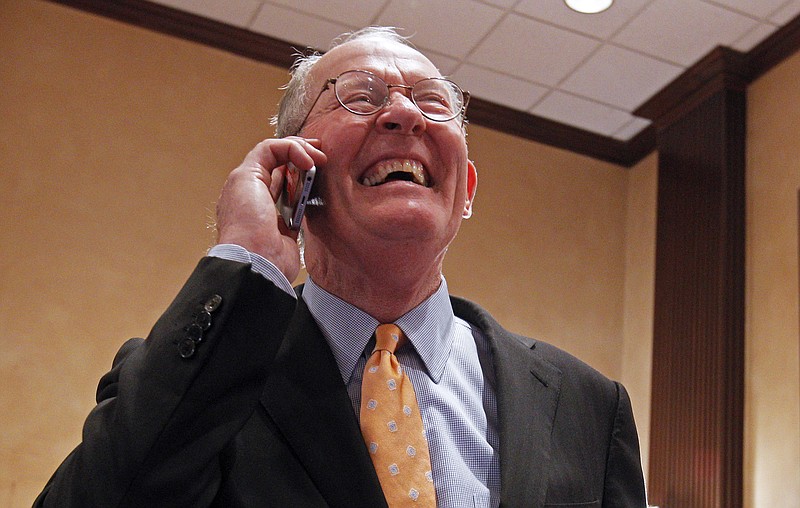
x,y
332,81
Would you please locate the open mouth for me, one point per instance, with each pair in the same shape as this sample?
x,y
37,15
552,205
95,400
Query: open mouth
x,y
405,170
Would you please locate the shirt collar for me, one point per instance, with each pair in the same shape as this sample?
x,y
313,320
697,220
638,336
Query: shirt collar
x,y
348,329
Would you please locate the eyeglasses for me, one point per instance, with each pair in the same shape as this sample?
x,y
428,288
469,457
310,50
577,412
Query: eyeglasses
x,y
364,93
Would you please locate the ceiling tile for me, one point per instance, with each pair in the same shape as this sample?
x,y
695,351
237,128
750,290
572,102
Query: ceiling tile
x,y
620,77
758,8
425,21
233,12
602,25
786,13
501,3
754,37
532,50
353,13
632,128
683,31
297,28
498,88
581,113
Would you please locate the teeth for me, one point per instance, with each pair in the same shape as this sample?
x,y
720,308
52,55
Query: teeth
x,y
386,168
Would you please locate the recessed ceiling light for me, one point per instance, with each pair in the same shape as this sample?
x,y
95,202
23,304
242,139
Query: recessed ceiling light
x,y
589,6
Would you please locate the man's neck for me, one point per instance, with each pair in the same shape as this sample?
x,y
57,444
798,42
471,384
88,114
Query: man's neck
x,y
386,287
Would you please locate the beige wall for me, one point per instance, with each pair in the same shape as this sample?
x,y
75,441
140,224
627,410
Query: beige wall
x,y
640,258
113,145
772,412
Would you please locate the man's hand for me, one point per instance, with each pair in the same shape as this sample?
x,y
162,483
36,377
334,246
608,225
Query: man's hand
x,y
246,213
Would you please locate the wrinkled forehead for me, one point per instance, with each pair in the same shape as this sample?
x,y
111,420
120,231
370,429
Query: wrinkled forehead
x,y
392,61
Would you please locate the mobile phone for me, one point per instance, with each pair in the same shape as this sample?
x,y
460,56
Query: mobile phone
x,y
294,195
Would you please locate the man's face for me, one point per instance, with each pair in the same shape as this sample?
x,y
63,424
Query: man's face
x,y
362,206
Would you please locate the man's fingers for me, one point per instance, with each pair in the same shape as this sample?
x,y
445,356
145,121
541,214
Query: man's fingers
x,y
301,152
276,181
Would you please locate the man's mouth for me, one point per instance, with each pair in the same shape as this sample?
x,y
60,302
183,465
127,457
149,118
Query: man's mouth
x,y
398,169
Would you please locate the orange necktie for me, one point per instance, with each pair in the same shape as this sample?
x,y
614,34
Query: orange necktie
x,y
392,426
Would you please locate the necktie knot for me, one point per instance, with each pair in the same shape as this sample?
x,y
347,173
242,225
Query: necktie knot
x,y
388,337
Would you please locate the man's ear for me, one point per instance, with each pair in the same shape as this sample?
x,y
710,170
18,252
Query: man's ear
x,y
472,186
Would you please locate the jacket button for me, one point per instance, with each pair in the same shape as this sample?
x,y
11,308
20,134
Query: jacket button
x,y
194,332
213,303
186,348
203,319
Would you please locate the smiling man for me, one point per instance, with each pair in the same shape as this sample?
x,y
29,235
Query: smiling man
x,y
248,392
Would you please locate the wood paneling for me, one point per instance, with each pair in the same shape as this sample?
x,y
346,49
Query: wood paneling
x,y
698,340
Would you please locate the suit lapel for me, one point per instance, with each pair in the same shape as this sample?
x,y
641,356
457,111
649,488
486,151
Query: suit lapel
x,y
308,401
527,395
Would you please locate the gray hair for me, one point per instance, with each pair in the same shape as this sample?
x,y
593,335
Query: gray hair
x,y
294,104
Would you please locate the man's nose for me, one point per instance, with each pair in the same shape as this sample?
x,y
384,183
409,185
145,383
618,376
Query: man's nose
x,y
401,114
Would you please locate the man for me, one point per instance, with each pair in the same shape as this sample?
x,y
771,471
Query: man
x,y
246,395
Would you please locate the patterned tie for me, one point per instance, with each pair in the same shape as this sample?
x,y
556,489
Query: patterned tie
x,y
392,426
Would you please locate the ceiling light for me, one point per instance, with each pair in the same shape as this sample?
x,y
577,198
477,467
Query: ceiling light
x,y
588,6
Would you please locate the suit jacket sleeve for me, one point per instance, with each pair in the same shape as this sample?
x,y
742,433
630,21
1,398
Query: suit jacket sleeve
x,y
624,485
161,419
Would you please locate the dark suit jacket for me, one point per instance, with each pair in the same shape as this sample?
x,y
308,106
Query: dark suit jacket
x,y
259,415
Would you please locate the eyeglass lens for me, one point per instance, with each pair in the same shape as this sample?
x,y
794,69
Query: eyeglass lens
x,y
364,93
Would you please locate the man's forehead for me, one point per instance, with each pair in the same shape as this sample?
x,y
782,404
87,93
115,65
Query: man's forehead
x,y
375,54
